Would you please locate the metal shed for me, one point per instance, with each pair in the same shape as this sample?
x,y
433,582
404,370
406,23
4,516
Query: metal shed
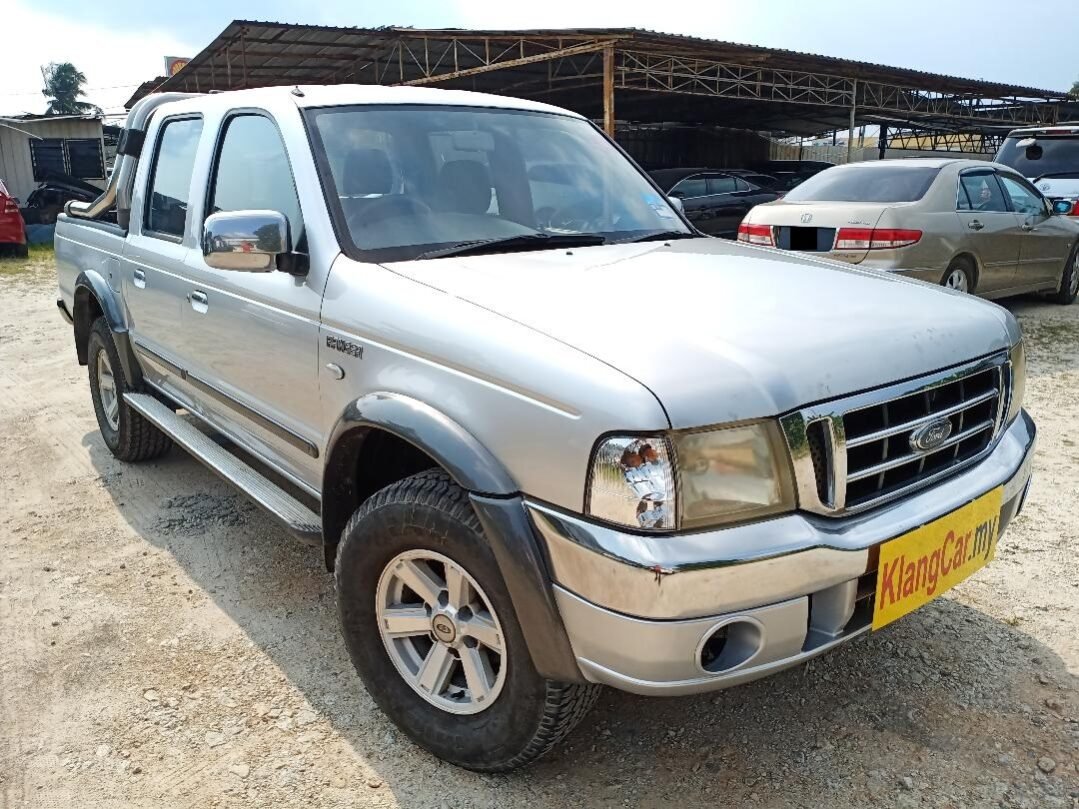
x,y
30,146
629,75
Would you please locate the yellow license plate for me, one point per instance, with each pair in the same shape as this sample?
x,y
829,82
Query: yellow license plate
x,y
918,566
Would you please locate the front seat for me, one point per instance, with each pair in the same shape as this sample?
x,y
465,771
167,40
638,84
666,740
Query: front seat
x,y
464,186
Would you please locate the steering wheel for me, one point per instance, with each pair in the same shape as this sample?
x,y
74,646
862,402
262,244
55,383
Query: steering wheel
x,y
570,217
386,207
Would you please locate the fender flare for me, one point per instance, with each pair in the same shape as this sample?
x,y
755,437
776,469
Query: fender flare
x,y
90,284
494,496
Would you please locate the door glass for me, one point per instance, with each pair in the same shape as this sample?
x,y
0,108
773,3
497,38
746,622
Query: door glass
x,y
982,193
253,172
170,183
721,185
690,187
1023,200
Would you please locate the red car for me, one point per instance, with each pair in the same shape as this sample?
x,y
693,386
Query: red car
x,y
12,229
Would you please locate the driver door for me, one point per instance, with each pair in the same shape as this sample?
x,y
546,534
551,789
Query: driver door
x,y
1046,239
990,228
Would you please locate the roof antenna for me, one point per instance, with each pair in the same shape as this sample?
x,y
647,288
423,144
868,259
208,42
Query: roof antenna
x,y
296,91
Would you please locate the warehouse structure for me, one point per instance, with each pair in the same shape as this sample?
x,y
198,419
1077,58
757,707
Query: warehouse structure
x,y
632,81
35,147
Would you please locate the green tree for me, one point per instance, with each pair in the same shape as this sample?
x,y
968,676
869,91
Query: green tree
x,y
1074,92
63,86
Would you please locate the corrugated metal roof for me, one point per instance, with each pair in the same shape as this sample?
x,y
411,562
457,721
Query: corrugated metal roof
x,y
249,53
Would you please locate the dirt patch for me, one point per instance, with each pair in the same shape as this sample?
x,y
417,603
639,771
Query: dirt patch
x,y
163,643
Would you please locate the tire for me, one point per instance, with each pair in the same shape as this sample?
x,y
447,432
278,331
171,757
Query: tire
x,y
959,276
128,435
1069,280
423,519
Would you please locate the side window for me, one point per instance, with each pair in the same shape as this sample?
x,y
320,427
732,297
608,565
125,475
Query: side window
x,y
722,185
690,187
983,193
1023,199
252,172
170,179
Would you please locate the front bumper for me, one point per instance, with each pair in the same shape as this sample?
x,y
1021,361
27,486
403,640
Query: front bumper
x,y
638,609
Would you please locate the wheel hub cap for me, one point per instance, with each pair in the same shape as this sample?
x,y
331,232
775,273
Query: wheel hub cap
x,y
106,387
441,632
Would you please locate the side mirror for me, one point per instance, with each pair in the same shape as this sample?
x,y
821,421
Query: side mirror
x,y
676,202
246,241
1062,207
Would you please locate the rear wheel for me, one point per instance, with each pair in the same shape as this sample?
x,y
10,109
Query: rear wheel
x,y
959,276
1069,281
128,435
433,634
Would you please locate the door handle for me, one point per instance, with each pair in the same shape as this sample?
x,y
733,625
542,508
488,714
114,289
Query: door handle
x,y
198,300
139,278
974,224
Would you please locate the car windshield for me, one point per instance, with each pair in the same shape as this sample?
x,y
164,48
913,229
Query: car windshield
x,y
868,183
413,180
1038,157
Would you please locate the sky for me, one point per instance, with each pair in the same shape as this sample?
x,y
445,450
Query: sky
x,y
122,43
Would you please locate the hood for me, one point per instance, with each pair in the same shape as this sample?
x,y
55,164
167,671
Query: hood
x,y
1058,187
720,331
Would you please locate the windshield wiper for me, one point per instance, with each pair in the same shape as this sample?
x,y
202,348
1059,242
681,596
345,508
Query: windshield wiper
x,y
1073,174
661,236
505,244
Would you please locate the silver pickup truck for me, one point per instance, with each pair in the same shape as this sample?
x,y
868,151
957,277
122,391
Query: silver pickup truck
x,y
549,437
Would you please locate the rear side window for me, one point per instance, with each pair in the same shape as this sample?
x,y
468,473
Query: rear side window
x,y
866,184
170,179
253,172
980,191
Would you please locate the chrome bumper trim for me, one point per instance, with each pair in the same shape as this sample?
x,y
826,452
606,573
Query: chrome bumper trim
x,y
715,572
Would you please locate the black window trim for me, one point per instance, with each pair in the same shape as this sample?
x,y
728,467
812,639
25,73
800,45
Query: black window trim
x,y
145,229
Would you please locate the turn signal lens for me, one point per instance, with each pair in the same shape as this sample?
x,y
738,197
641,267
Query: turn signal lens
x,y
756,234
1018,362
632,483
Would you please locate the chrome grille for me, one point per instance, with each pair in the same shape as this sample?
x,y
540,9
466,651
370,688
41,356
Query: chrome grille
x,y
882,444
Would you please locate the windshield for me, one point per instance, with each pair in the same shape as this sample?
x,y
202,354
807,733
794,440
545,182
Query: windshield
x,y
1040,156
406,181
866,183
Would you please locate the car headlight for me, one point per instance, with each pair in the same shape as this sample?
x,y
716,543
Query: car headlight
x,y
691,480
1018,360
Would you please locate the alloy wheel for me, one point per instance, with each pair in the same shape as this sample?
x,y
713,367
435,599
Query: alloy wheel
x,y
957,280
441,632
106,388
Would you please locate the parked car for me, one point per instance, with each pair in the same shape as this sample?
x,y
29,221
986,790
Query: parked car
x,y
766,181
1048,156
54,191
967,224
792,173
542,451
12,228
714,201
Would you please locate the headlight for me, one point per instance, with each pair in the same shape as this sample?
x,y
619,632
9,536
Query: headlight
x,y
732,474
691,480
1018,360
632,483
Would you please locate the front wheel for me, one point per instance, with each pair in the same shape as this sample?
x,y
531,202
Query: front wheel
x,y
433,634
1069,281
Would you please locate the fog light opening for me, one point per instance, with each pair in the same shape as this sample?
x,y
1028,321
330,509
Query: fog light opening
x,y
731,645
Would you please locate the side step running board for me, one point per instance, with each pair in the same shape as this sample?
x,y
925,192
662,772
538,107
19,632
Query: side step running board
x,y
297,517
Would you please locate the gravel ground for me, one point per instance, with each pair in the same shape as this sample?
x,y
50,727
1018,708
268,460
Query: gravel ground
x,y
162,643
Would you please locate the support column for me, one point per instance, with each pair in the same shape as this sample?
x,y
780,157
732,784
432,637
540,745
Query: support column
x,y
853,109
882,141
608,90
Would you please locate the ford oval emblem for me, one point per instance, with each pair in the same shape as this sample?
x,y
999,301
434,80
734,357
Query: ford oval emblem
x,y
807,217
930,436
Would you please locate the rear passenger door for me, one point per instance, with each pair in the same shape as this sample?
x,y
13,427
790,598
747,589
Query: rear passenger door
x,y
252,337
991,230
153,263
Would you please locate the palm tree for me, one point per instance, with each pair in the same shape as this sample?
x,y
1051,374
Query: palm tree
x,y
63,85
